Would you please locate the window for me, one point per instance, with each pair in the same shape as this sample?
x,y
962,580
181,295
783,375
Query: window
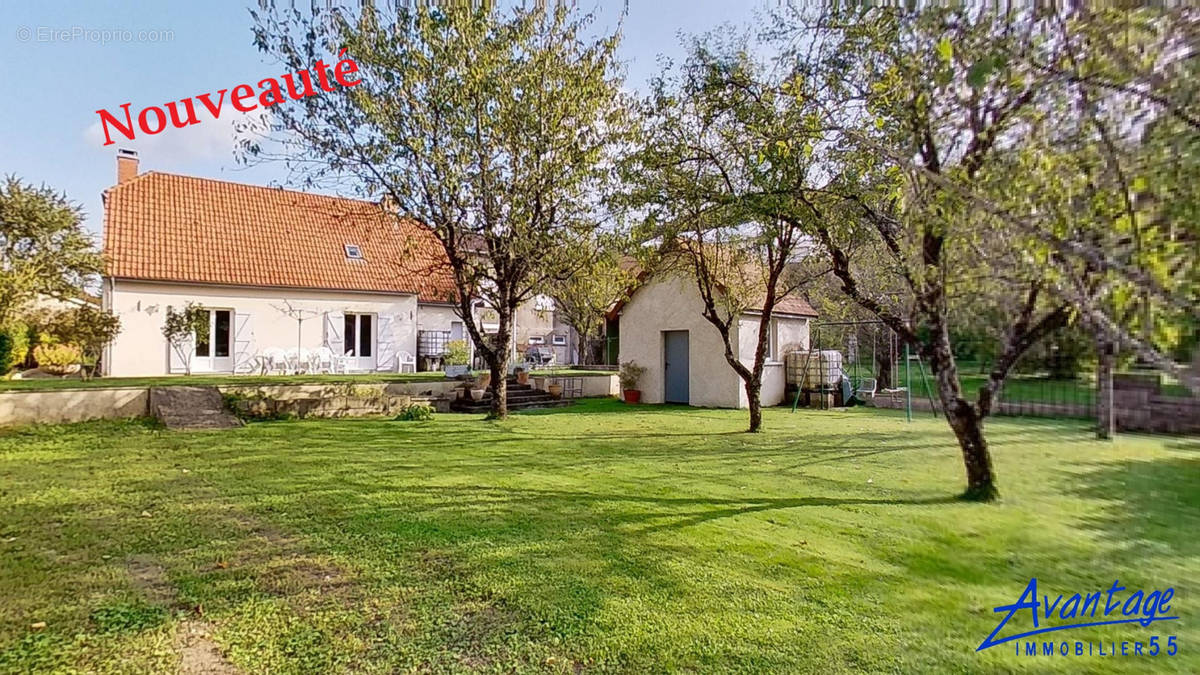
x,y
357,334
560,340
220,322
536,340
353,252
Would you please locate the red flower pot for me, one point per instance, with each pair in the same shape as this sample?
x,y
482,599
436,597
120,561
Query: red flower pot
x,y
632,395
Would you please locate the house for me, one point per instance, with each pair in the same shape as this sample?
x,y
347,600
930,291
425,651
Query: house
x,y
662,329
276,269
538,324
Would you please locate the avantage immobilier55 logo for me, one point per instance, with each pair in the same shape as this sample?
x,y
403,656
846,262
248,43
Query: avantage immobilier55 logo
x,y
1100,608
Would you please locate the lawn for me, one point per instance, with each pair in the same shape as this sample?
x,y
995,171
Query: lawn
x,y
42,384
595,538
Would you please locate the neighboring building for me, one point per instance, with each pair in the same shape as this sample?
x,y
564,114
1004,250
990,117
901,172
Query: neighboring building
x,y
277,269
662,329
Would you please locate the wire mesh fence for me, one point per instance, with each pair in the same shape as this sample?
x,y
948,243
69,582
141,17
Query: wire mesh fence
x,y
1045,383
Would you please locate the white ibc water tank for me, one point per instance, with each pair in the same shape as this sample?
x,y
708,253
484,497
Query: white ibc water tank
x,y
824,369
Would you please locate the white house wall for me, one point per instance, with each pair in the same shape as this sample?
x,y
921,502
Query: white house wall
x,y
672,303
140,349
437,317
791,333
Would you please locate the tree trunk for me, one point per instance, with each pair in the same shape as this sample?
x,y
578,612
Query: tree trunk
x,y
753,395
498,366
965,421
968,429
584,349
499,387
1106,422
885,365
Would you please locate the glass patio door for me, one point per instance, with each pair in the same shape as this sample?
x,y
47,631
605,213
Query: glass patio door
x,y
358,342
214,349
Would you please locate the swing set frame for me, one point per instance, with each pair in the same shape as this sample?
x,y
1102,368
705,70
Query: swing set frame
x,y
855,379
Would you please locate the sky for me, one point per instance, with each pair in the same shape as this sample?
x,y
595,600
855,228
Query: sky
x,y
66,60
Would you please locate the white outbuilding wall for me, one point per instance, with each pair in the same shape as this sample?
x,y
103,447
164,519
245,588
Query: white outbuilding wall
x,y
260,322
672,303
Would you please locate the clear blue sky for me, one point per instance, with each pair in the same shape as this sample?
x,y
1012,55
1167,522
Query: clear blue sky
x,y
53,84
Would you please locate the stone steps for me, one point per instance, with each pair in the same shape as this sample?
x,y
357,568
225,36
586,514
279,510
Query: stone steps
x,y
518,397
191,408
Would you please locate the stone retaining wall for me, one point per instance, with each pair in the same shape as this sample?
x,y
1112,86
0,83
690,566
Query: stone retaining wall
x,y
328,400
72,405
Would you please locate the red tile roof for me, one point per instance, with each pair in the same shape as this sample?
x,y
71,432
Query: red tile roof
x,y
166,227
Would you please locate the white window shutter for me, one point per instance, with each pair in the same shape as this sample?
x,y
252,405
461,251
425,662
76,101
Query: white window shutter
x,y
243,343
175,363
385,344
334,322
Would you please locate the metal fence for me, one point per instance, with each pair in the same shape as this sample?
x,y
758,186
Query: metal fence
x,y
1045,383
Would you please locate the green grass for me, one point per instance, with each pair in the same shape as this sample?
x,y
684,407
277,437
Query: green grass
x,y
45,384
596,538
1018,387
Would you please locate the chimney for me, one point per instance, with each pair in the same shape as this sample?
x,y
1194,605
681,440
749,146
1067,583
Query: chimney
x,y
127,165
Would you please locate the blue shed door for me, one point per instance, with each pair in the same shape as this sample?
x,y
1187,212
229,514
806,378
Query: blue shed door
x,y
675,366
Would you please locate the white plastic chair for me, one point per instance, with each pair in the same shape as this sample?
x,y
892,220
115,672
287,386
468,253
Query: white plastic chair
x,y
867,387
406,360
304,359
275,359
323,361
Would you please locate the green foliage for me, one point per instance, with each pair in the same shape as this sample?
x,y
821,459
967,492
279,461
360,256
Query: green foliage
x,y
127,617
44,248
14,345
415,412
456,353
181,328
88,327
630,374
253,406
57,359
491,125
582,299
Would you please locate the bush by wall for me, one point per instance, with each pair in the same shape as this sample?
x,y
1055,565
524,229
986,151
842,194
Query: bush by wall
x,y
14,345
57,359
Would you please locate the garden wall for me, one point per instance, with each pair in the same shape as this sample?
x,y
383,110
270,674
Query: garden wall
x,y
72,405
325,400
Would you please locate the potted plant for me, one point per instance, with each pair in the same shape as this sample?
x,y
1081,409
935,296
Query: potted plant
x,y
555,389
484,379
455,359
477,394
522,375
629,375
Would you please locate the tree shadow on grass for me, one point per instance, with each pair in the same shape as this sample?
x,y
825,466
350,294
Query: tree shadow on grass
x,y
1154,501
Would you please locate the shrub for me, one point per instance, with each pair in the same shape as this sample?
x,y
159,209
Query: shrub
x,y
57,359
254,406
415,412
456,353
14,345
89,328
181,328
630,373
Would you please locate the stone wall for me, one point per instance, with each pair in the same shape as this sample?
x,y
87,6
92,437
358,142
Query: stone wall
x,y
72,405
324,400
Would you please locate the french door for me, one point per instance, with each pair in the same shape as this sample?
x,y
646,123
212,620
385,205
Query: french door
x,y
358,341
214,348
